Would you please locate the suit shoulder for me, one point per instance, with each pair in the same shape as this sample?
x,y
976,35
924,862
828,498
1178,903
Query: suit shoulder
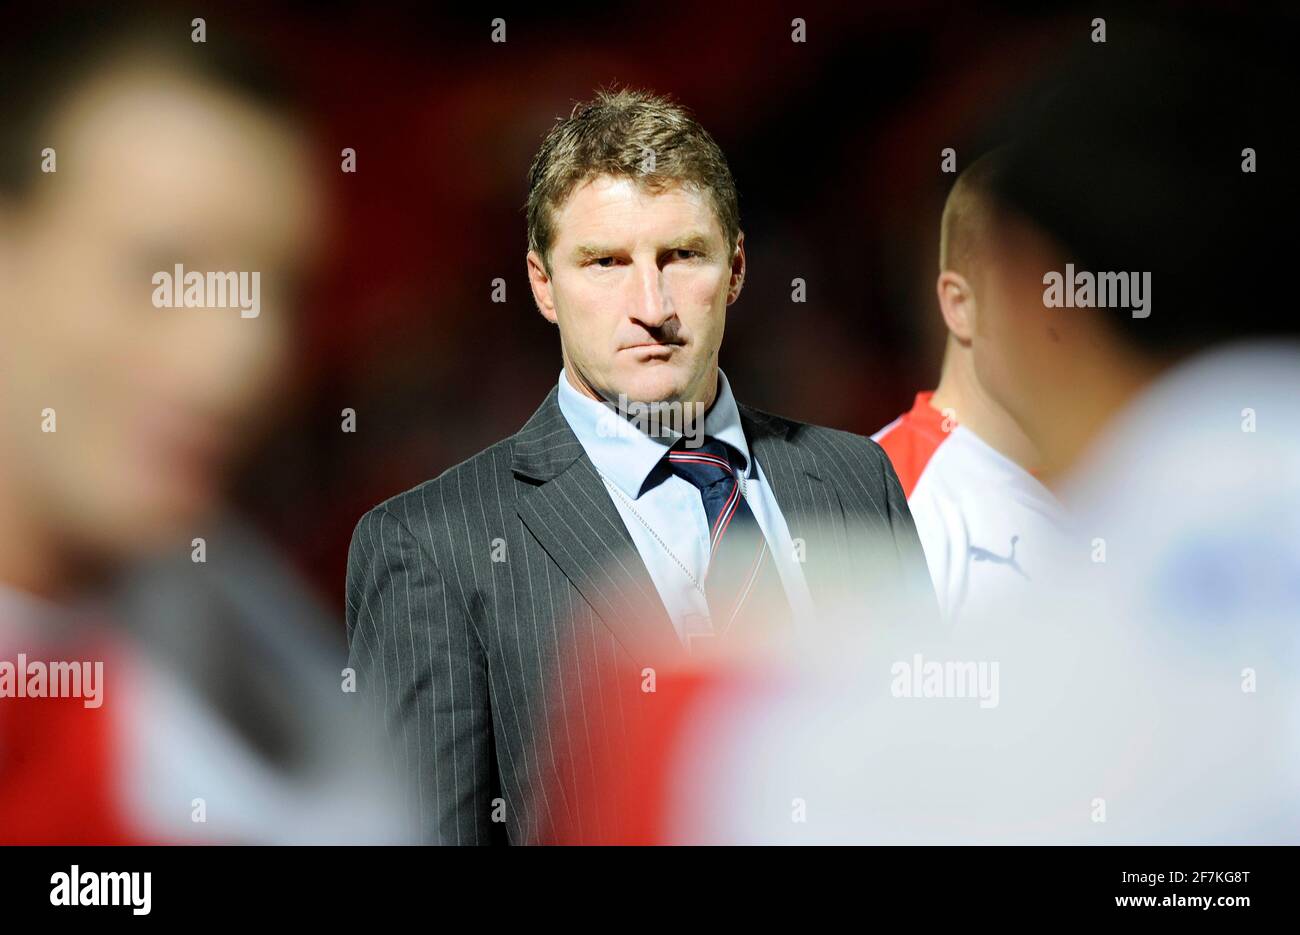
x,y
822,440
473,479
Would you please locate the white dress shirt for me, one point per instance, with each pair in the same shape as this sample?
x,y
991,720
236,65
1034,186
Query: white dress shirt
x,y
673,508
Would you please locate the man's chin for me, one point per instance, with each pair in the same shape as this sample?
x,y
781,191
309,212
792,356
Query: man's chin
x,y
661,381
654,388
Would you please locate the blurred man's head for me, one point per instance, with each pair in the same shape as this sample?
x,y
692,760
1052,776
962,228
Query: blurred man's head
x,y
967,284
965,232
1135,161
634,247
162,158
966,250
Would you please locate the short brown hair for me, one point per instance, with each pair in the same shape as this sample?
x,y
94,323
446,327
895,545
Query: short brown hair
x,y
612,135
968,215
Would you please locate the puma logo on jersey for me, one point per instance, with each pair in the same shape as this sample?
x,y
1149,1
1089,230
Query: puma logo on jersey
x,y
984,555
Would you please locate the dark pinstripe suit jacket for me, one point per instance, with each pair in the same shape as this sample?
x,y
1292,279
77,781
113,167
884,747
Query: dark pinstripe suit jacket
x,y
487,609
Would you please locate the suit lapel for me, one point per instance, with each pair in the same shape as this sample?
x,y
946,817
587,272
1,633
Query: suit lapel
x,y
566,507
811,506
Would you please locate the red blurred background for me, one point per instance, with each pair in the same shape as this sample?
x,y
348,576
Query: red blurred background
x,y
835,144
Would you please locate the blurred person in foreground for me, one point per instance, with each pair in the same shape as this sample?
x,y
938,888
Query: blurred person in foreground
x,y
1146,689
985,521
642,521
152,688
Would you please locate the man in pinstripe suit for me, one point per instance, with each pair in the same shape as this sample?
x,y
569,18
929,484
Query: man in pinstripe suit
x,y
507,617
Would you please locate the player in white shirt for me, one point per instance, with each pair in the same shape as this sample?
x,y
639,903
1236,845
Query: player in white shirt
x,y
984,519
1145,687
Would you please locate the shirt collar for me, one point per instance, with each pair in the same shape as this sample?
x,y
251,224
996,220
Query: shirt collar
x,y
626,455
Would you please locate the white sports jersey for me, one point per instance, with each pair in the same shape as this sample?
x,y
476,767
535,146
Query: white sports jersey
x,y
1150,675
985,522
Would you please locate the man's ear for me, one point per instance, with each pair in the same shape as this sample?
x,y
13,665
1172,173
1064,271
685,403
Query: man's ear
x,y
957,302
540,281
737,269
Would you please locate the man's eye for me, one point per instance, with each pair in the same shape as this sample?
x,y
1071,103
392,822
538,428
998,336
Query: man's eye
x,y
604,262
684,254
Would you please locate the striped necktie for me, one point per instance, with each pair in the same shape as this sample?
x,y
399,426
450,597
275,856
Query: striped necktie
x,y
742,584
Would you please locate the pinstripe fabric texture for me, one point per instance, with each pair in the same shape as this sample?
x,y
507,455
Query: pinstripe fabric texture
x,y
499,617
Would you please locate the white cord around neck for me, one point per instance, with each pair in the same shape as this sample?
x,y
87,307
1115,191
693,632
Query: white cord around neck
x,y
617,491
614,488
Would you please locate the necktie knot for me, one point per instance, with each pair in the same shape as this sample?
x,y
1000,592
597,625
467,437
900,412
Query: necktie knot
x,y
741,572
710,464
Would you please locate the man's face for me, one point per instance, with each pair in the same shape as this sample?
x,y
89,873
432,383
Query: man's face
x,y
151,403
639,287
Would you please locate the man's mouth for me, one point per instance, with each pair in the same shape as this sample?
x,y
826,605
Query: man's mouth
x,y
653,345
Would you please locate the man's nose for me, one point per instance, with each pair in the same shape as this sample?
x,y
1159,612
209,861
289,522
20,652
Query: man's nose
x,y
652,306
